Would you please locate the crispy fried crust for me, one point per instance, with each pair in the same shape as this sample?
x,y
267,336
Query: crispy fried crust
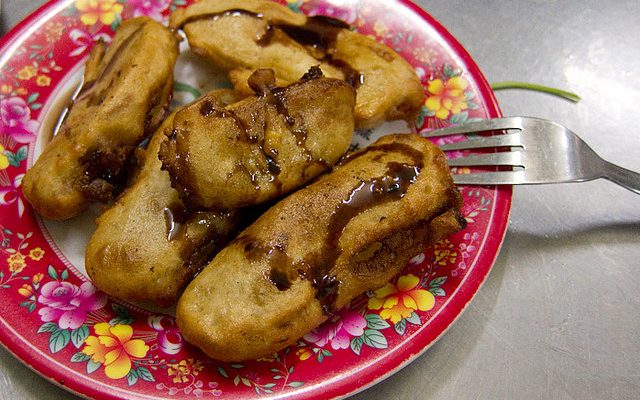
x,y
148,246
261,147
313,252
242,36
125,96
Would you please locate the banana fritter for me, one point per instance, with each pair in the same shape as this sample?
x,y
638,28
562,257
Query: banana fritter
x,y
148,245
313,252
125,96
242,36
261,147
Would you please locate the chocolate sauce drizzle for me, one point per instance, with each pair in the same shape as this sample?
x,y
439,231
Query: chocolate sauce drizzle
x,y
319,34
317,267
196,251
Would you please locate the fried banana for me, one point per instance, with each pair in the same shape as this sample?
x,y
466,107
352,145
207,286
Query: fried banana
x,y
148,246
242,36
261,147
124,97
313,252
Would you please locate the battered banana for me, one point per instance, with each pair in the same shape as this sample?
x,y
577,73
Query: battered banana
x,y
309,255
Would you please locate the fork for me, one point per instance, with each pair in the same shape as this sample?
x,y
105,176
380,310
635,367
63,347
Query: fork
x,y
548,153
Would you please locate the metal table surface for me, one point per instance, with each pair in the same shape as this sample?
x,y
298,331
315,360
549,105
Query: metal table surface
x,y
559,315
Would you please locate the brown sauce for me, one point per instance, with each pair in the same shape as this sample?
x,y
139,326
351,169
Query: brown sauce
x,y
319,33
317,268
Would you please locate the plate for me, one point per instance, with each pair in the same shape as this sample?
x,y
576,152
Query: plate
x,y
54,320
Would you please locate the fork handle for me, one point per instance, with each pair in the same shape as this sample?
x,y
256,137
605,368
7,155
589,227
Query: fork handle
x,y
623,177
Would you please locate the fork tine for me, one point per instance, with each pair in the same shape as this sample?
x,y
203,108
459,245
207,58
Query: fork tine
x,y
479,126
490,178
512,158
506,140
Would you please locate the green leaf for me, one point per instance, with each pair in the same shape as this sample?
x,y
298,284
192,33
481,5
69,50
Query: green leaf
x,y
276,377
116,23
59,340
22,152
448,71
536,88
437,282
236,366
245,381
236,380
80,357
33,97
375,339
145,374
132,377
295,384
48,327
374,321
459,118
437,292
35,106
79,335
31,307
269,385
414,319
356,344
64,275
52,272
222,372
13,160
320,357
400,327
326,352
92,366
119,320
185,87
119,309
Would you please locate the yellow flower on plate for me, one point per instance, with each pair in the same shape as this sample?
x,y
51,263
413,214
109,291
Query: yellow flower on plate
x,y
304,353
401,300
182,370
4,160
43,80
36,253
92,11
27,72
16,262
37,277
445,253
5,89
26,290
447,97
113,348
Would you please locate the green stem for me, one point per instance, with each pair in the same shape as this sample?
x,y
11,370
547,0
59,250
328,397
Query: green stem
x,y
537,88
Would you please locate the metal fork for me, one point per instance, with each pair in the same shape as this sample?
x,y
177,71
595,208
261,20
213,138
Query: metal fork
x,y
548,153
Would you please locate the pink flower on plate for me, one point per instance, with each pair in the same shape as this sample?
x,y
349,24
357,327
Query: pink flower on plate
x,y
169,338
342,10
338,330
68,304
84,40
150,8
15,120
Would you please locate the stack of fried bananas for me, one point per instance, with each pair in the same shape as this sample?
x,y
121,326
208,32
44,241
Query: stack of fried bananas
x,y
245,205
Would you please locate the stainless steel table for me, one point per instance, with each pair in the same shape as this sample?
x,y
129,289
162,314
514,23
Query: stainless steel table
x,y
559,316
